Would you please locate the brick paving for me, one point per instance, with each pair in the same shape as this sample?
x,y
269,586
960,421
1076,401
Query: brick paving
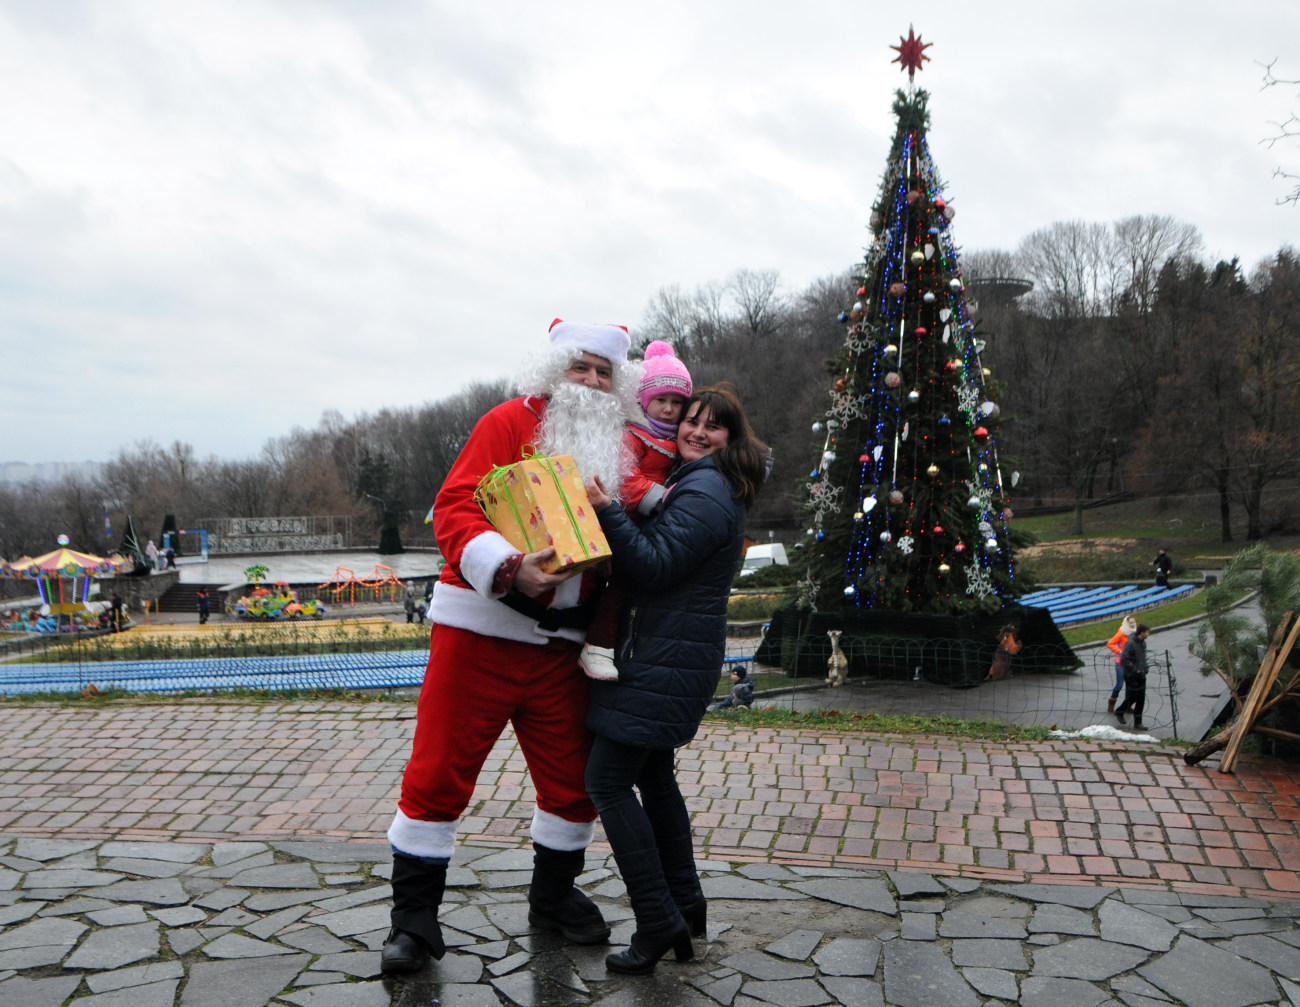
x,y
1062,811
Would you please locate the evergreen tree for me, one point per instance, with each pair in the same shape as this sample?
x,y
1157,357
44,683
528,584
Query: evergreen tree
x,y
907,503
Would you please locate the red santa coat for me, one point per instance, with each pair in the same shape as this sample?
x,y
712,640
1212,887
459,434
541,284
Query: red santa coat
x,y
490,665
473,550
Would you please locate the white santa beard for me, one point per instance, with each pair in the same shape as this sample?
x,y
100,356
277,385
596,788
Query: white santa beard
x,y
588,425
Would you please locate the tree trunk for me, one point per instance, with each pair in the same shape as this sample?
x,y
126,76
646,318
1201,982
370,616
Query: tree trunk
x,y
1207,747
1078,513
1225,520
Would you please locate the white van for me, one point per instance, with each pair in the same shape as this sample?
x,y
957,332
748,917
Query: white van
x,y
760,556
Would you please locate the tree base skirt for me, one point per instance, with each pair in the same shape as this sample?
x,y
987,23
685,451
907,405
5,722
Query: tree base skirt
x,y
956,651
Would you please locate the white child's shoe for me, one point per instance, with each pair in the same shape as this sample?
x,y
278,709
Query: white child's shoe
x,y
598,663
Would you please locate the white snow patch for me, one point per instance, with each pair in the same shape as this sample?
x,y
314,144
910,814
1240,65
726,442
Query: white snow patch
x,y
1103,732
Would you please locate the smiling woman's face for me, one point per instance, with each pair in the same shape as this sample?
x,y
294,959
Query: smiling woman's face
x,y
699,434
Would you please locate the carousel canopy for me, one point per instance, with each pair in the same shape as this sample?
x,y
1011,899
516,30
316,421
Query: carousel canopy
x,y
65,562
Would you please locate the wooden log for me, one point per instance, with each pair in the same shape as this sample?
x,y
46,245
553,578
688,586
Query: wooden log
x,y
1204,749
1268,672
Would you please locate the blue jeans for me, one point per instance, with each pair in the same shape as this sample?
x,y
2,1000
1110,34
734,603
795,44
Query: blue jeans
x,y
1119,679
651,838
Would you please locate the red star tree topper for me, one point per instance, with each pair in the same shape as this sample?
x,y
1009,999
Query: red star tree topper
x,y
911,53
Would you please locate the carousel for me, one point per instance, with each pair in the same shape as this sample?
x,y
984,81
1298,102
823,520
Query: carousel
x,y
63,578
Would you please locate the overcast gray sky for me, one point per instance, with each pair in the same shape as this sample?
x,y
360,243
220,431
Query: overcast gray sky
x,y
220,219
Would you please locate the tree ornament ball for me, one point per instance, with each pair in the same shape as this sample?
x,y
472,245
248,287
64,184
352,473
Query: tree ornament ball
x,y
975,503
850,591
991,545
928,297
959,548
981,434
890,350
828,457
810,532
944,420
886,537
917,257
949,213
1007,515
984,466
920,331
821,535
938,529
893,379
913,195
864,459
817,427
986,372
933,470
914,396
944,568
990,410
857,515
839,385
832,424
934,230
857,307
940,203
876,220
953,365
862,291
896,496
897,289
954,284
842,317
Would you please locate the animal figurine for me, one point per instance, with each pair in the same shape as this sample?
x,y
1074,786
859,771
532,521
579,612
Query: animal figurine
x,y
837,664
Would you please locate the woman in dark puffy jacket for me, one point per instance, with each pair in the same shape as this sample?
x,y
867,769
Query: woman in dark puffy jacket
x,y
669,658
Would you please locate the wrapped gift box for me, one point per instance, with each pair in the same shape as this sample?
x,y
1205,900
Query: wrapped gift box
x,y
539,502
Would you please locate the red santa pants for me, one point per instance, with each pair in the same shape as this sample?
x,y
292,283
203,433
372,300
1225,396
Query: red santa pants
x,y
473,686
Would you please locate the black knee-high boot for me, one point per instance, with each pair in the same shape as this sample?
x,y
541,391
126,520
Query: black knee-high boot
x,y
555,904
415,935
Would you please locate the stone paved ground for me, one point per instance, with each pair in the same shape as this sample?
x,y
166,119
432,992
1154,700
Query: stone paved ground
x,y
209,852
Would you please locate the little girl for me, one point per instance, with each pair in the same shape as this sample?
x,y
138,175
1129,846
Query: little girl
x,y
652,440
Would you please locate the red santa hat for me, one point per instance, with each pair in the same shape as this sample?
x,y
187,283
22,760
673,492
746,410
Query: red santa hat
x,y
604,340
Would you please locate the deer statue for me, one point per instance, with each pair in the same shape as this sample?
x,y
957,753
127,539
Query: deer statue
x,y
837,665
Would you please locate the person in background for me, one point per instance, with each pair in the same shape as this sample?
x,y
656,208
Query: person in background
x,y
1116,646
409,602
1163,564
742,690
204,604
151,553
1134,659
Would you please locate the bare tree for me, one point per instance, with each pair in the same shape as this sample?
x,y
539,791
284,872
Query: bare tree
x,y
1287,129
757,295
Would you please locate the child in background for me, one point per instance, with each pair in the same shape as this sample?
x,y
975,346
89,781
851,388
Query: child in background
x,y
652,440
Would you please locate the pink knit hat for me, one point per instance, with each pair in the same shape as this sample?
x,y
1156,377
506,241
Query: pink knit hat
x,y
662,374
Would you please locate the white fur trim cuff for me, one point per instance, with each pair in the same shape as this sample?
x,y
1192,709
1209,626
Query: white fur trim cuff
x,y
555,833
422,839
482,558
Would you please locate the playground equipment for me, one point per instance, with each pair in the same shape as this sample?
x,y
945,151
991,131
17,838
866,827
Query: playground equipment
x,y
279,602
344,580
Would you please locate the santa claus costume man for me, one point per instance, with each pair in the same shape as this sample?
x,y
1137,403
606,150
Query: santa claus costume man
x,y
504,649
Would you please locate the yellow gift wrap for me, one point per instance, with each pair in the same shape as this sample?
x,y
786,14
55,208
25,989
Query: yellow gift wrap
x,y
539,502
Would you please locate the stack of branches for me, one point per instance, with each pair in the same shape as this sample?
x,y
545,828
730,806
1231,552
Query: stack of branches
x,y
1228,644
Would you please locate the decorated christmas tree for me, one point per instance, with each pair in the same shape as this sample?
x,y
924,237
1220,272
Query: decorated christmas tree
x,y
907,508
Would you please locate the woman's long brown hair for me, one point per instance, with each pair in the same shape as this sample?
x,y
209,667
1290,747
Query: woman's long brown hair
x,y
744,458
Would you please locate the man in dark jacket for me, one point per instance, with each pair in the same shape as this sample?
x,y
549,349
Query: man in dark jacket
x,y
1133,659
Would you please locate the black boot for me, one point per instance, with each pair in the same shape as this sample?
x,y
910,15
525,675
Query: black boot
x,y
553,902
696,916
648,947
415,935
